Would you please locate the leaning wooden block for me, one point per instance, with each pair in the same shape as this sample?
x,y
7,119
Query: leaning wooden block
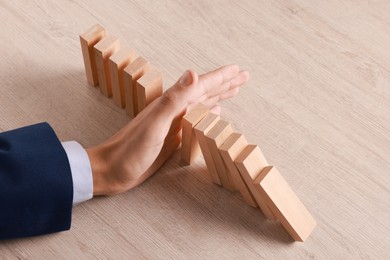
x,y
149,87
202,128
190,148
117,62
215,138
230,150
284,203
88,39
103,50
250,162
132,73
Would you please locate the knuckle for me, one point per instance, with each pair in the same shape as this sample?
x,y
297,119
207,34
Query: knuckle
x,y
168,97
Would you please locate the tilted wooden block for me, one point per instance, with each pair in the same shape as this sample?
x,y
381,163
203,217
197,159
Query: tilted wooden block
x,y
201,129
190,148
103,51
285,204
230,150
132,73
149,87
250,162
88,39
215,138
117,62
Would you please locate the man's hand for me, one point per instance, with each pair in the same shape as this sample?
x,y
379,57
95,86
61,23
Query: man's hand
x,y
140,148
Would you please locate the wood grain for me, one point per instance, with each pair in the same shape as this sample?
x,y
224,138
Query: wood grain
x,y
317,104
116,64
87,40
149,87
132,73
250,162
230,150
215,137
190,149
284,204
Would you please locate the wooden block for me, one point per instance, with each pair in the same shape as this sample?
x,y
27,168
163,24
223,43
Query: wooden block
x,y
117,62
132,73
230,150
88,39
103,51
215,138
190,148
149,87
284,203
250,162
200,130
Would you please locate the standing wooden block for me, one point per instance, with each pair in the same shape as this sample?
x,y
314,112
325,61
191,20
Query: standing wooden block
x,y
215,138
88,39
149,87
202,128
250,162
285,204
132,73
190,148
117,62
230,150
103,51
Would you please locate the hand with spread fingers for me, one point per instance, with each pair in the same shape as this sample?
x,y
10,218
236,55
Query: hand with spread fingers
x,y
141,147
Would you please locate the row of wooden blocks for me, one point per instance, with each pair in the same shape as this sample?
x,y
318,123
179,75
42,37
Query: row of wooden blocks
x,y
119,71
237,165
231,162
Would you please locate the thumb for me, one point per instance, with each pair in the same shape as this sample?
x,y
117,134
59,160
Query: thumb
x,y
175,100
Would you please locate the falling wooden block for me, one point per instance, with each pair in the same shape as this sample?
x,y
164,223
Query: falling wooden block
x,y
131,74
284,203
230,150
117,62
103,51
149,87
216,136
250,162
190,148
88,39
200,130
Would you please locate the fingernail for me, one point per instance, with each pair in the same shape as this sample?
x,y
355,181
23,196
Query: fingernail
x,y
186,79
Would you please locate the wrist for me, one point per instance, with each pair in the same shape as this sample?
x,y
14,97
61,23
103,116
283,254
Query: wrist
x,y
98,156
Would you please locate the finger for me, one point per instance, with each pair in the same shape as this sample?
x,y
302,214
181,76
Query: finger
x,y
216,109
177,97
237,81
217,77
166,111
241,78
214,100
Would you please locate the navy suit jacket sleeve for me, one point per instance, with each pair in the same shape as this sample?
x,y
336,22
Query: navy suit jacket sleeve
x,y
36,190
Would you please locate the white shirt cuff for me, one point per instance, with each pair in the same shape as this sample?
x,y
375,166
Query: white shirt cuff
x,y
80,167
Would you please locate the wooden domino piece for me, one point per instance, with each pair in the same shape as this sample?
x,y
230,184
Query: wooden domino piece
x,y
200,130
149,87
88,39
250,162
216,136
117,62
131,74
284,203
230,150
190,148
103,51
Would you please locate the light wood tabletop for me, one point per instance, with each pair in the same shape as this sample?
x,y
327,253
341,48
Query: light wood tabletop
x,y
317,104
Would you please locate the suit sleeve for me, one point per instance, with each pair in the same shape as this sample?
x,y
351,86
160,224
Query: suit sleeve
x,y
36,190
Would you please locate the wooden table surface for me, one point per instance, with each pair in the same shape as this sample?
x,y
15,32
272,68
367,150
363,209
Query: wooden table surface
x,y
317,104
